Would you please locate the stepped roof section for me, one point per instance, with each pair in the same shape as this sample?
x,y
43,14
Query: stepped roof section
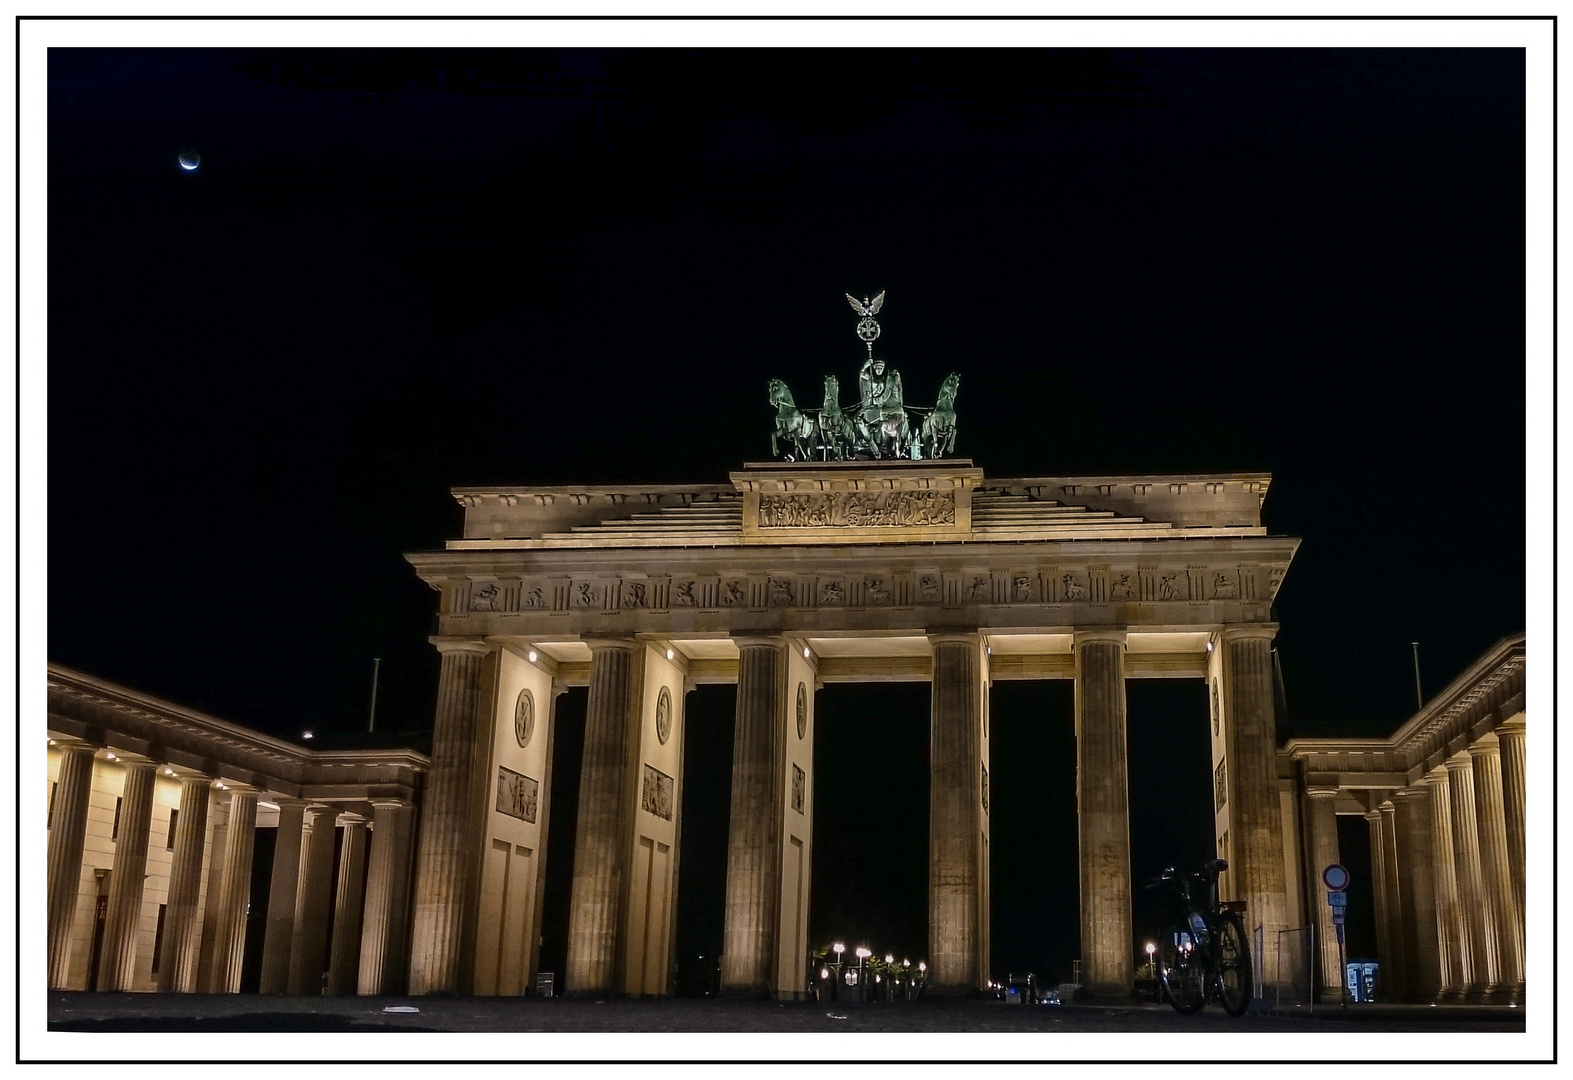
x,y
945,501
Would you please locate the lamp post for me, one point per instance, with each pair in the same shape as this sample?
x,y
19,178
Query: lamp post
x,y
838,949
862,954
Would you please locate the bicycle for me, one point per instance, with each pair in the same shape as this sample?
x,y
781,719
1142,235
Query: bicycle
x,y
1205,954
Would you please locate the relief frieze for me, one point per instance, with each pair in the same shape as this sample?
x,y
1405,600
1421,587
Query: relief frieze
x,y
857,509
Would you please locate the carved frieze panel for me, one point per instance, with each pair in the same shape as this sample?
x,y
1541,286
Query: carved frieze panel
x,y
799,788
1171,586
928,589
656,794
485,596
1220,787
1223,585
517,794
1073,585
534,596
985,788
832,592
1275,578
857,509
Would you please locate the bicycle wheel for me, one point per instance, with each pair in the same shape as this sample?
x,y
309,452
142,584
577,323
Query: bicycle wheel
x,y
1182,971
1234,965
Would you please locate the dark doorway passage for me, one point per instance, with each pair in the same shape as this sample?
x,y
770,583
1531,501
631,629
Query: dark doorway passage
x,y
567,754
1354,854
264,843
1032,830
1170,771
709,720
871,818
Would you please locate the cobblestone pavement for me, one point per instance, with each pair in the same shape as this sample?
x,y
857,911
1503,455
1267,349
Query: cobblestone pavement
x,y
198,1013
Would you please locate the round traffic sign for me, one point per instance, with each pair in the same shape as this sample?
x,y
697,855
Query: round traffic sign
x,y
1335,877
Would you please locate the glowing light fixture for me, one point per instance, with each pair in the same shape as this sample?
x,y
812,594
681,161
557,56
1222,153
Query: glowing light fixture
x,y
532,656
1209,646
863,954
305,734
111,757
670,655
51,742
922,966
838,948
805,652
889,959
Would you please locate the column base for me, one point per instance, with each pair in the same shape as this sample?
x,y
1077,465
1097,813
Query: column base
x,y
1477,995
1451,996
1506,994
1329,996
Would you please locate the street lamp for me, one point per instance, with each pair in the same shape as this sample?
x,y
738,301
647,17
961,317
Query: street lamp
x,y
838,949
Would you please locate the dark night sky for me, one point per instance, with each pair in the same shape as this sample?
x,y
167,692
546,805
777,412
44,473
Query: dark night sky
x,y
399,271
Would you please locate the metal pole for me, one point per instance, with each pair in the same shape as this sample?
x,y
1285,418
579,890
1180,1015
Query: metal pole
x,y
376,669
1420,702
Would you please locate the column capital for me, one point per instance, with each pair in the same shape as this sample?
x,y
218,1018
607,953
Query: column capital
x,y
1386,806
1435,778
1514,725
315,810
1459,762
234,787
1372,815
389,803
758,641
128,759
956,637
1249,631
1114,635
610,642
1322,791
184,775
1411,793
1487,746
472,645
289,802
348,819
65,743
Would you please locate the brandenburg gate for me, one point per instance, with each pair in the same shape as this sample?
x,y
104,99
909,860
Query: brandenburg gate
x,y
792,575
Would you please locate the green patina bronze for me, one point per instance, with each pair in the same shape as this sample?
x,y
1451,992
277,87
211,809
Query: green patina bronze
x,y
878,426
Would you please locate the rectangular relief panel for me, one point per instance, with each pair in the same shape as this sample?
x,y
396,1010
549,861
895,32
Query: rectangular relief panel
x,y
656,793
517,794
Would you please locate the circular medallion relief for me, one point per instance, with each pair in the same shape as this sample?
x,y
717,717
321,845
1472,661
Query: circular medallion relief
x,y
802,710
524,718
663,716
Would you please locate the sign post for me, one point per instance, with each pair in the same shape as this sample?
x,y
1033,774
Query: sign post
x,y
1336,878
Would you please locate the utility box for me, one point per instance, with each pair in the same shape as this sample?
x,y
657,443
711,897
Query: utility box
x,y
546,984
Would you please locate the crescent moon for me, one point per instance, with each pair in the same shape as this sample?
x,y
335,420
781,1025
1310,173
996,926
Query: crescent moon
x,y
189,160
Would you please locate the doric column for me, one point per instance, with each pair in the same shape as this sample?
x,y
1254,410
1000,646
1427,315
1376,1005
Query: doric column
x,y
1103,813
1398,975
957,919
449,847
1510,737
1256,820
177,968
282,888
309,948
382,964
1479,939
753,852
1412,823
344,962
67,831
1451,970
1496,879
1321,816
1379,895
118,954
234,898
607,793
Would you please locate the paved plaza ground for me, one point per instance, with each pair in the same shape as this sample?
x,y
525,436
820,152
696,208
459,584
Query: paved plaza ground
x,y
202,1013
